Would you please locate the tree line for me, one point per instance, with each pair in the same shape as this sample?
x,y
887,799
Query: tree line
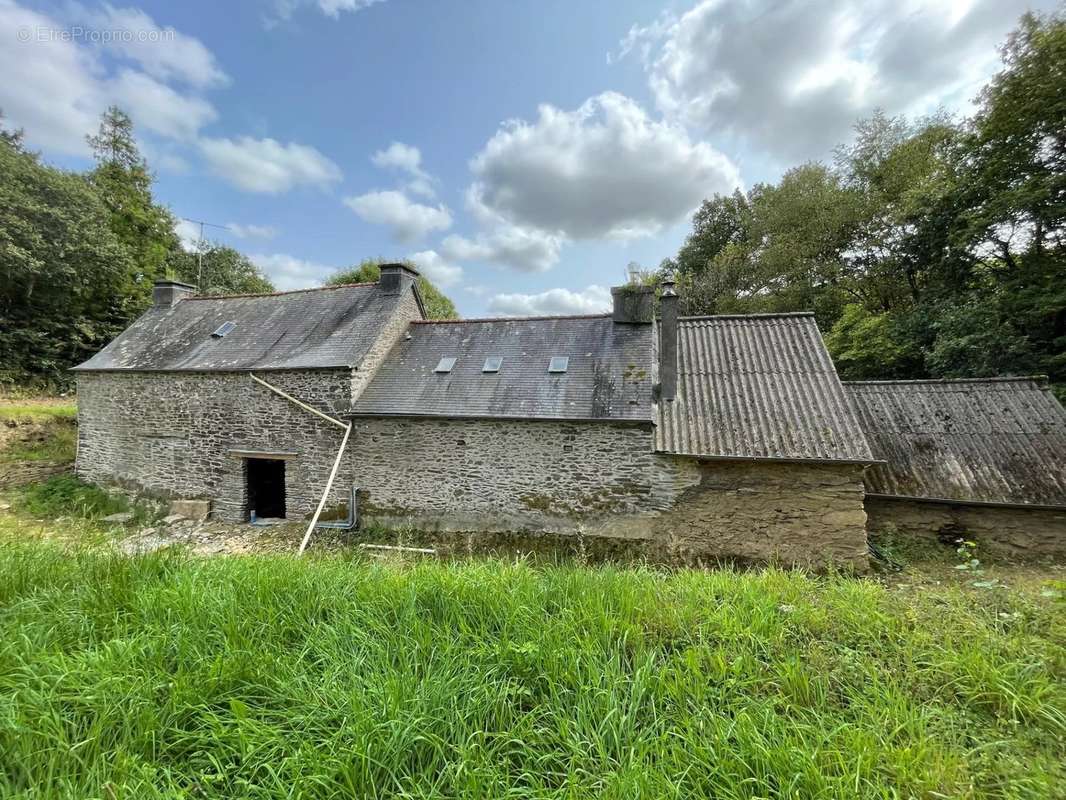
x,y
928,248
79,253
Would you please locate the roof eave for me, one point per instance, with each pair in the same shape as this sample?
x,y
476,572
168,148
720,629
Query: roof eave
x,y
948,501
864,462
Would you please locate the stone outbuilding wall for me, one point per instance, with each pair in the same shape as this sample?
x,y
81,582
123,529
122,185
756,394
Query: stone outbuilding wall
x,y
1014,531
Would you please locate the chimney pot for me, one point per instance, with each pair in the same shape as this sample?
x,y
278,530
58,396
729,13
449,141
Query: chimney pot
x,y
166,292
395,278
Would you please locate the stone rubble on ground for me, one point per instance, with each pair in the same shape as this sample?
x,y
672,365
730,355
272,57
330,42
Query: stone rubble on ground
x,y
121,518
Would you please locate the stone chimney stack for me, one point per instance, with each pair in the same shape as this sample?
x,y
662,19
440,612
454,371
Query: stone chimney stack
x,y
634,304
668,340
396,278
166,293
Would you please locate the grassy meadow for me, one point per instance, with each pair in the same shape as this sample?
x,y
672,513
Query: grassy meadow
x,y
169,676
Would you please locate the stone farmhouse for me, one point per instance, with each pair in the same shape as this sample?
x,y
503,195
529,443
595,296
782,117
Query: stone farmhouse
x,y
693,437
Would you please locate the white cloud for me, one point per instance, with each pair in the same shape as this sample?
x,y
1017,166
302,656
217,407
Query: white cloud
x,y
604,169
162,52
791,79
252,231
56,87
523,249
408,159
408,221
156,107
268,166
431,264
592,300
288,272
188,234
284,9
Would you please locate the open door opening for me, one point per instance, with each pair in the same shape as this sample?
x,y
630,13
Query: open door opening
x,y
266,487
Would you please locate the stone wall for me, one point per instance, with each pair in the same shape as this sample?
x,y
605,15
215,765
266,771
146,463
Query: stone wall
x,y
1015,532
20,473
170,434
405,313
764,511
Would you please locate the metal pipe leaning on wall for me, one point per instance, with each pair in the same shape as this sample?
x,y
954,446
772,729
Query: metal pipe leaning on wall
x,y
336,462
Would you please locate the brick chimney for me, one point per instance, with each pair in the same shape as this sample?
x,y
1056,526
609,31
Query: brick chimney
x,y
166,293
396,278
668,340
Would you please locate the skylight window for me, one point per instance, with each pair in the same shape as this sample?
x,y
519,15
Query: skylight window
x,y
223,329
559,364
445,364
492,364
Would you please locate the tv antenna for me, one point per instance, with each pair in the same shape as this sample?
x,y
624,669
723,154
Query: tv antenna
x,y
200,248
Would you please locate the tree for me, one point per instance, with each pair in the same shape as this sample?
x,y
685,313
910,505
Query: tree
x,y
12,138
437,305
224,270
124,184
63,270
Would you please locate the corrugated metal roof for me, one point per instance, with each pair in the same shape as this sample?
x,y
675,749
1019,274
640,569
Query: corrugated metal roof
x,y
758,386
312,328
608,377
991,440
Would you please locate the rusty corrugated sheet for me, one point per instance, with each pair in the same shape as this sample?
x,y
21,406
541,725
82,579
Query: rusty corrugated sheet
x,y
307,329
758,386
609,375
996,440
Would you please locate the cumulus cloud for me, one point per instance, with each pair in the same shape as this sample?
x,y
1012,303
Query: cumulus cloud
x,y
284,9
268,166
162,52
792,78
408,159
604,169
523,249
55,87
252,231
188,234
592,300
435,267
408,221
288,272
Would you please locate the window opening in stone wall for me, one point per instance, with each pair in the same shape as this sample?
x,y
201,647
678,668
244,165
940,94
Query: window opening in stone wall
x,y
445,364
266,488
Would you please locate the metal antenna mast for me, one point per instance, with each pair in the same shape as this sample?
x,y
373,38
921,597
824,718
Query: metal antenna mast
x,y
200,249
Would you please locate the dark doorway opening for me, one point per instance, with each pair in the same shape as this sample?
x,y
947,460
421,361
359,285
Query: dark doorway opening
x,y
266,487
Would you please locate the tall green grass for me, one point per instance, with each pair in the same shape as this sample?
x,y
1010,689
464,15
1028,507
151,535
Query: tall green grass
x,y
163,676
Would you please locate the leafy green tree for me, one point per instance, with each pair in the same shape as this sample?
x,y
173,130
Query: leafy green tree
x,y
122,180
436,303
867,345
63,270
218,269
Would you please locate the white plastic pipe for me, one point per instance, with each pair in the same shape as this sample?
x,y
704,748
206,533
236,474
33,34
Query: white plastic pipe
x,y
336,462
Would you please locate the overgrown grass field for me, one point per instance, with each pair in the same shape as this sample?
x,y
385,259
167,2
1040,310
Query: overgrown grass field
x,y
167,676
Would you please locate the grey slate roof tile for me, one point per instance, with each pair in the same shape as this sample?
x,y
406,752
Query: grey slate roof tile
x,y
758,386
313,328
608,377
991,440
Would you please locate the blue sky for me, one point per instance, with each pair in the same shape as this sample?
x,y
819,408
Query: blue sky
x,y
522,153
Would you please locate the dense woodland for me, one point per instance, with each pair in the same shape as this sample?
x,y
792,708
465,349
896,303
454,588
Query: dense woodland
x,y
928,248
932,248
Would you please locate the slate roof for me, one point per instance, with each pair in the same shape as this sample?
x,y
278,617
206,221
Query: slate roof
x,y
994,440
759,386
608,377
310,328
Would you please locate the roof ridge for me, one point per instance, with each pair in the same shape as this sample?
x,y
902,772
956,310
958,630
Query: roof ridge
x,y
508,319
768,315
912,381
278,294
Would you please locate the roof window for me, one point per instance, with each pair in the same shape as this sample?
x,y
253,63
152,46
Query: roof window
x,y
445,364
558,363
223,329
492,364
